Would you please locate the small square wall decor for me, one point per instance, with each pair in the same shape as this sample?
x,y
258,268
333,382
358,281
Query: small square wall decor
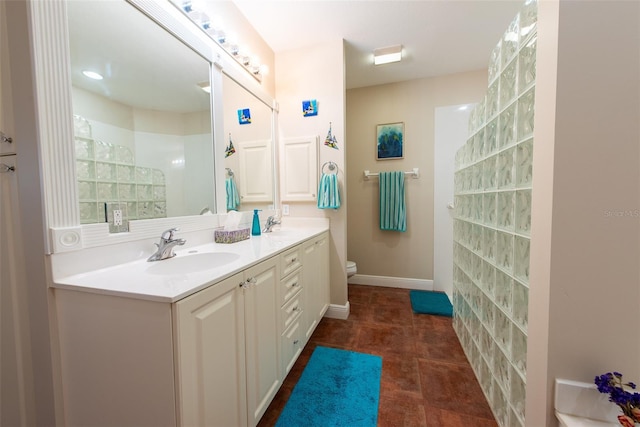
x,y
310,108
390,141
244,116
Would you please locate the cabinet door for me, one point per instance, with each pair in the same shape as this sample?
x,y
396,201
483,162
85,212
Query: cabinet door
x,y
316,281
262,337
210,356
255,180
292,344
299,161
6,109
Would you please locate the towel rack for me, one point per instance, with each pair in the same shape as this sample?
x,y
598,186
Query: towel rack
x,y
415,174
333,168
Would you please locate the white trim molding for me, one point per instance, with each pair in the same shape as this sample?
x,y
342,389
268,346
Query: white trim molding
x,y
392,282
336,311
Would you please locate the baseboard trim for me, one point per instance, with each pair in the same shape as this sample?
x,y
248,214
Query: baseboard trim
x,y
391,282
336,311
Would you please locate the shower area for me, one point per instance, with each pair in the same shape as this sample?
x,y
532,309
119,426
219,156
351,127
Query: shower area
x,y
492,222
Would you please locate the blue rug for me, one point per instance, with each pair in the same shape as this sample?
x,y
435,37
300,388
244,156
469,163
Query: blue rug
x,y
337,388
429,302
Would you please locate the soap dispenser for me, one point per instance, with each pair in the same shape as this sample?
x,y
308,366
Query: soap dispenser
x,y
255,229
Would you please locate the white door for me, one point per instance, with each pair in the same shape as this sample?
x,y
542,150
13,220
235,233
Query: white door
x,y
451,132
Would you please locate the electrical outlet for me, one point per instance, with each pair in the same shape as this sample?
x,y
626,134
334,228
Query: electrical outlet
x,y
285,210
117,217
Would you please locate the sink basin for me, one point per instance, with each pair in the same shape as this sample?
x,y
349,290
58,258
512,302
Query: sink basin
x,y
192,262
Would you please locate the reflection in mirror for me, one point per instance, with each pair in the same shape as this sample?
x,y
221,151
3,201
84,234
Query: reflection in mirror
x,y
249,149
143,132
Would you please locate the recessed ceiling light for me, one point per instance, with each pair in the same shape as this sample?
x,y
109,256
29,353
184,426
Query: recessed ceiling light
x,y
92,75
386,55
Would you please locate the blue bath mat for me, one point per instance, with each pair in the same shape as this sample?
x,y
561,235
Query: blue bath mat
x,y
429,302
337,388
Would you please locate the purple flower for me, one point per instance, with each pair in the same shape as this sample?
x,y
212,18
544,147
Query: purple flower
x,y
629,402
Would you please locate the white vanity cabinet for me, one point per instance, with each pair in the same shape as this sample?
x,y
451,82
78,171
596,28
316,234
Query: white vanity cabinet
x,y
214,358
227,353
262,337
299,169
210,356
316,281
254,180
292,307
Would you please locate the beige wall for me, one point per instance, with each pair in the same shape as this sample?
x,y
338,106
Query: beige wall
x,y
317,72
388,253
585,235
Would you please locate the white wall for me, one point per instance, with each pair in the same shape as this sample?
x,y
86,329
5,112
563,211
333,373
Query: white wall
x,y
585,245
317,72
451,132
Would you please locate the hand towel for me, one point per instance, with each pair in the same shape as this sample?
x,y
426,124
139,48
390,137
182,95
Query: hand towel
x,y
233,198
393,215
328,192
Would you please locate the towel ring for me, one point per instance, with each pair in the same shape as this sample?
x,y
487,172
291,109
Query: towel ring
x,y
229,171
333,168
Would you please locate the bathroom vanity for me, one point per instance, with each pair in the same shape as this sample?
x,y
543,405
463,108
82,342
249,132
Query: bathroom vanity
x,y
205,338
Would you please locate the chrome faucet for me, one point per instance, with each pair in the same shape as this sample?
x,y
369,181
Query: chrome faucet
x,y
271,222
166,245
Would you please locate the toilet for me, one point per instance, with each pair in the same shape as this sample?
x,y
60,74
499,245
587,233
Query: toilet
x,y
352,268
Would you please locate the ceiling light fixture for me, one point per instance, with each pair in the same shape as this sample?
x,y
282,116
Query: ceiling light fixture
x,y
92,75
386,55
227,41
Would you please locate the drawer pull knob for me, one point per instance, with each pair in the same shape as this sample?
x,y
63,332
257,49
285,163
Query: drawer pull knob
x,y
296,308
5,138
294,284
295,342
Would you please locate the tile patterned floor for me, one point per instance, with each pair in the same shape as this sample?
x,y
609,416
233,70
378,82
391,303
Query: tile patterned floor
x,y
426,378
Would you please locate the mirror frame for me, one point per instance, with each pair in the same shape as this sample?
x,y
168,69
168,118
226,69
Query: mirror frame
x,y
55,125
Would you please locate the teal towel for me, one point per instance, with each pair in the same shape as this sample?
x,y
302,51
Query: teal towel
x,y
393,214
233,198
328,192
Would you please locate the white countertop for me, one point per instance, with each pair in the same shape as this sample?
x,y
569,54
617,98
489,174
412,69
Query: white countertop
x,y
156,281
567,420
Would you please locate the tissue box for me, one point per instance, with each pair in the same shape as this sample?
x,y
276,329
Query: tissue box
x,y
223,236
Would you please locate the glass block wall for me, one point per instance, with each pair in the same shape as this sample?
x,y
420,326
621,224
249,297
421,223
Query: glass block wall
x,y
107,174
492,221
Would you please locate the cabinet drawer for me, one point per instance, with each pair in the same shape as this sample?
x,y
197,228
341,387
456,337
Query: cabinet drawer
x,y
291,346
290,261
290,286
291,311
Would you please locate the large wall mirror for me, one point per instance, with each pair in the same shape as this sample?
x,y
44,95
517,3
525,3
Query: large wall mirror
x,y
249,168
143,132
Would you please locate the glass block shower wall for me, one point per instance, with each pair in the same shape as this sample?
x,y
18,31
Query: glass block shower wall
x,y
492,221
107,174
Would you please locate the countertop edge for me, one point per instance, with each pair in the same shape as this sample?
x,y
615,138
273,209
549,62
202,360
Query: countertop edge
x,y
75,282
